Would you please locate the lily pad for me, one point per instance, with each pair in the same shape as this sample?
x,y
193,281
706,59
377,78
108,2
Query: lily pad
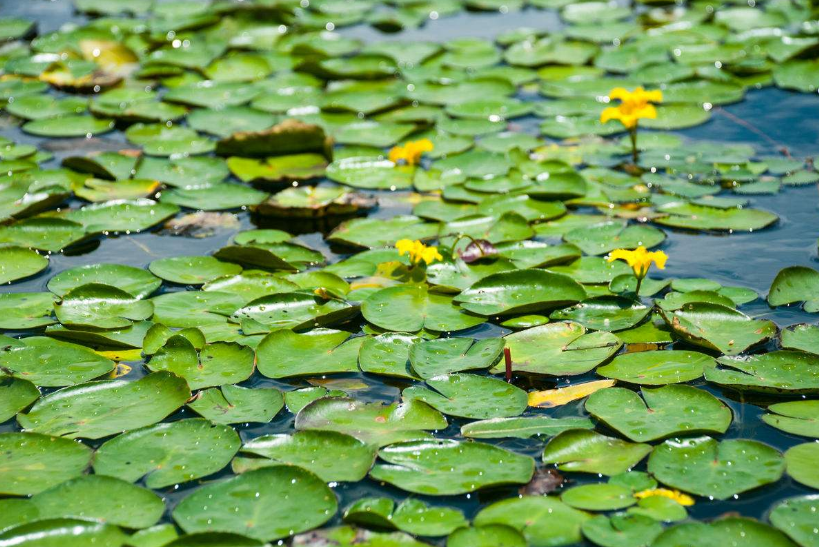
x,y
410,308
447,467
102,498
559,349
795,417
470,396
290,500
101,306
605,313
135,281
192,270
98,409
800,464
330,455
795,284
795,517
544,521
520,291
666,411
718,327
590,452
522,428
235,405
715,469
18,263
657,367
284,353
33,462
372,423
27,310
49,363
435,357
778,372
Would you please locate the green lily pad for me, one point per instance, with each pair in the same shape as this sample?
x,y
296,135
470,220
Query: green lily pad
x,y
587,451
26,310
213,365
284,353
330,455
192,270
559,349
33,462
122,215
373,232
709,468
101,306
195,308
236,405
666,411
96,410
167,454
604,313
795,417
699,217
544,521
43,234
435,357
69,125
520,291
16,394
65,532
490,535
795,284
599,239
106,499
447,467
387,354
522,428
294,310
271,503
795,517
778,372
470,396
622,530
18,263
598,497
372,423
135,281
800,461
49,363
410,308
718,327
655,368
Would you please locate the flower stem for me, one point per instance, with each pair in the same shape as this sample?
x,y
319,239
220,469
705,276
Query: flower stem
x,y
634,152
637,290
507,356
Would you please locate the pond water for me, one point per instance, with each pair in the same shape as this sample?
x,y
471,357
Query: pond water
x,y
769,119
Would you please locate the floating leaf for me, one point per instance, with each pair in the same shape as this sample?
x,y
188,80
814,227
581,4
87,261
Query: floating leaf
x,y
550,398
33,462
330,455
800,460
285,353
470,396
709,468
235,405
290,500
718,327
666,411
590,452
447,467
96,410
410,308
373,423
559,349
543,520
795,417
18,263
435,357
795,284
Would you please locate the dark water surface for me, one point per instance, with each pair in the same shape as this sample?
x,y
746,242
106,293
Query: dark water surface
x,y
769,119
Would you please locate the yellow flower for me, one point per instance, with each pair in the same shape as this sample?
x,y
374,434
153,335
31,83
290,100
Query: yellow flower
x,y
676,495
417,251
411,151
639,259
633,106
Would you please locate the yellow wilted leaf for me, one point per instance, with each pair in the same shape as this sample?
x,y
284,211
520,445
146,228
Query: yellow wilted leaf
x,y
557,397
122,354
